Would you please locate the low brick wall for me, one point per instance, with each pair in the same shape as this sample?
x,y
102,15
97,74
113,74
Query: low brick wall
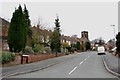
x,y
39,57
32,58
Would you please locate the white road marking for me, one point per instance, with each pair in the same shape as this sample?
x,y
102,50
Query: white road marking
x,y
72,70
81,63
84,60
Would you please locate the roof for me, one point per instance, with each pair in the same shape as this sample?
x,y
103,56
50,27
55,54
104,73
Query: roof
x,y
4,22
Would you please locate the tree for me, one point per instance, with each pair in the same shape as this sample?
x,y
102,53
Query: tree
x,y
118,43
55,38
78,45
101,41
28,25
17,31
88,46
65,45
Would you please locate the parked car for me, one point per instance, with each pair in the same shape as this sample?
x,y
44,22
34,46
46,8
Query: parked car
x,y
114,49
93,48
101,50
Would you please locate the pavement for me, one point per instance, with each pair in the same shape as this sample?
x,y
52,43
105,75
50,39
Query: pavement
x,y
112,64
64,64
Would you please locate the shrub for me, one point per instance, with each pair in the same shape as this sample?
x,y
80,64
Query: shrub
x,y
7,57
88,45
42,49
77,46
48,50
118,43
37,48
28,50
71,49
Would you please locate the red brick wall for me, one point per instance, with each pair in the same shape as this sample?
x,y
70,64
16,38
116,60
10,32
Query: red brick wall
x,y
32,58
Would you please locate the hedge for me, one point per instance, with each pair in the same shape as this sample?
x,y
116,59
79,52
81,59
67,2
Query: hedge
x,y
7,57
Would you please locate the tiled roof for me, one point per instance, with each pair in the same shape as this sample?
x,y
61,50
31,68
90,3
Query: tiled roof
x,y
63,37
4,22
71,39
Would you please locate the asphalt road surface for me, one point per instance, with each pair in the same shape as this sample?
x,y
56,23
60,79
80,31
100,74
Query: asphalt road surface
x,y
84,65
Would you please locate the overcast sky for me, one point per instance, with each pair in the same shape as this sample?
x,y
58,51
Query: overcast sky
x,y
94,17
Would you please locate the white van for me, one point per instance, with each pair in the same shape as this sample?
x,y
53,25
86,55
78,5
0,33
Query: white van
x,y
101,50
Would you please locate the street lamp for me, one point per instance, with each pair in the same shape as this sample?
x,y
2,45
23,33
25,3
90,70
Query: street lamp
x,y
114,33
114,29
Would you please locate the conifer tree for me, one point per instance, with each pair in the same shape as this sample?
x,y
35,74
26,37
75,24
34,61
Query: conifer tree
x,y
17,31
28,25
56,37
26,13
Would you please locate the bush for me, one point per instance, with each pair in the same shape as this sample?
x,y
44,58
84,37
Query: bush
x,y
77,46
71,49
28,50
48,50
118,43
42,49
37,48
88,45
7,57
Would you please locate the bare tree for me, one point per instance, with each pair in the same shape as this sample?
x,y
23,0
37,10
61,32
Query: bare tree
x,y
41,24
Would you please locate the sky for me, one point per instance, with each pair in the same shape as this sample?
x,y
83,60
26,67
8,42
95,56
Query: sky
x,y
94,17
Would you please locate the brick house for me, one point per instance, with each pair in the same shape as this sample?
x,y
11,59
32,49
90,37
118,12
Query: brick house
x,y
41,35
70,40
4,25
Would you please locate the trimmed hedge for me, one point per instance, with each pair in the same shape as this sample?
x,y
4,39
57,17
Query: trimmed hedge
x,y
7,57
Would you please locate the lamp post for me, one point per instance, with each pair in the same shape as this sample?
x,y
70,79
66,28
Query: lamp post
x,y
114,29
114,33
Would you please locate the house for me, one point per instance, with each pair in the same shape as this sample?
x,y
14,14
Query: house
x,y
4,25
41,35
70,40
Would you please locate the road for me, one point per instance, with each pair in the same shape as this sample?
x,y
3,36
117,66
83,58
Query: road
x,y
84,65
